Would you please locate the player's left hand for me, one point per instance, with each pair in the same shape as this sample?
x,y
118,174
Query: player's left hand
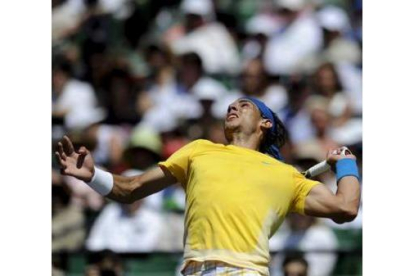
x,y
337,154
79,164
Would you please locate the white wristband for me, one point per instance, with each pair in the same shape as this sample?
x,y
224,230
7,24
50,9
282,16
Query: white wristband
x,y
102,182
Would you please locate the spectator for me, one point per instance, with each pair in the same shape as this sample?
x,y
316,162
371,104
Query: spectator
x,y
303,233
193,78
337,46
286,49
259,29
143,149
255,83
295,266
66,15
208,38
110,141
193,86
125,228
74,100
68,229
119,93
321,121
161,79
346,129
96,27
107,264
328,84
294,115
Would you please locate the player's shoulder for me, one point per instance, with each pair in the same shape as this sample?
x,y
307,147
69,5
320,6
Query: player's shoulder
x,y
290,168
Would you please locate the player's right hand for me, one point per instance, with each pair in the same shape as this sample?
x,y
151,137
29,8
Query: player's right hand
x,y
339,153
78,164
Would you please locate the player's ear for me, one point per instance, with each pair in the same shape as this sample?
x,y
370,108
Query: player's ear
x,y
266,123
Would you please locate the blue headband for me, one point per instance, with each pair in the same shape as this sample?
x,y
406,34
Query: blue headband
x,y
266,112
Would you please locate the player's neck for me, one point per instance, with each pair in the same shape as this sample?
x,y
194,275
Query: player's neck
x,y
244,141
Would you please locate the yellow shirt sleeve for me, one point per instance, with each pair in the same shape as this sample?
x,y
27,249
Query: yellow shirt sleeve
x,y
302,188
178,163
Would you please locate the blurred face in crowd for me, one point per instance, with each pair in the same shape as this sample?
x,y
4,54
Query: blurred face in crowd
x,y
326,80
243,116
60,198
253,78
298,92
190,72
329,36
192,22
320,120
285,15
59,79
295,268
157,58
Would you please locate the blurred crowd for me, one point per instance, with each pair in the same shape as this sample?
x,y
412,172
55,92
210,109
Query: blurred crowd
x,y
135,80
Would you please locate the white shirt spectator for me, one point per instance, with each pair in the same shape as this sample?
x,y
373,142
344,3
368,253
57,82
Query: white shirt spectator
x,y
121,9
111,141
213,43
335,19
118,232
351,79
79,101
275,98
164,116
285,50
65,17
299,126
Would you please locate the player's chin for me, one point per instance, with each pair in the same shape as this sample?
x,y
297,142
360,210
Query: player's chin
x,y
232,123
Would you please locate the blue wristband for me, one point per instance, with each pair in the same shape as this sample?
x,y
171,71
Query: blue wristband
x,y
346,167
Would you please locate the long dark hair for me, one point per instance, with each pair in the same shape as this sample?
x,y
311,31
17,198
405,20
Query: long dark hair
x,y
275,138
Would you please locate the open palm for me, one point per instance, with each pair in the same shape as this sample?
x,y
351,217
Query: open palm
x,y
78,164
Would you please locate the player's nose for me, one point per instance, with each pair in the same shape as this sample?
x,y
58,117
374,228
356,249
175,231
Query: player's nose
x,y
232,107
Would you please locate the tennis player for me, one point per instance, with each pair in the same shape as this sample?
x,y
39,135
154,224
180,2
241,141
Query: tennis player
x,y
237,195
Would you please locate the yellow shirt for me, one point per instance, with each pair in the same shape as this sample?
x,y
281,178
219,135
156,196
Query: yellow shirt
x,y
236,198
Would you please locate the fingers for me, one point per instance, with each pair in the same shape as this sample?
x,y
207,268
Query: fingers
x,y
336,151
61,151
345,151
82,155
83,151
340,151
60,160
67,146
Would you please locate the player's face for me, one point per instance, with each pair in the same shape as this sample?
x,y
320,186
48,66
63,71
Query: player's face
x,y
242,115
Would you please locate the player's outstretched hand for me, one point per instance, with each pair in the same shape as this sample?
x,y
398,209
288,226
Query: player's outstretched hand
x,y
78,164
339,153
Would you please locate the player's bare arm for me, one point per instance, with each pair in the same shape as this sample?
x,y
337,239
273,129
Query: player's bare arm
x,y
80,164
130,189
342,206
